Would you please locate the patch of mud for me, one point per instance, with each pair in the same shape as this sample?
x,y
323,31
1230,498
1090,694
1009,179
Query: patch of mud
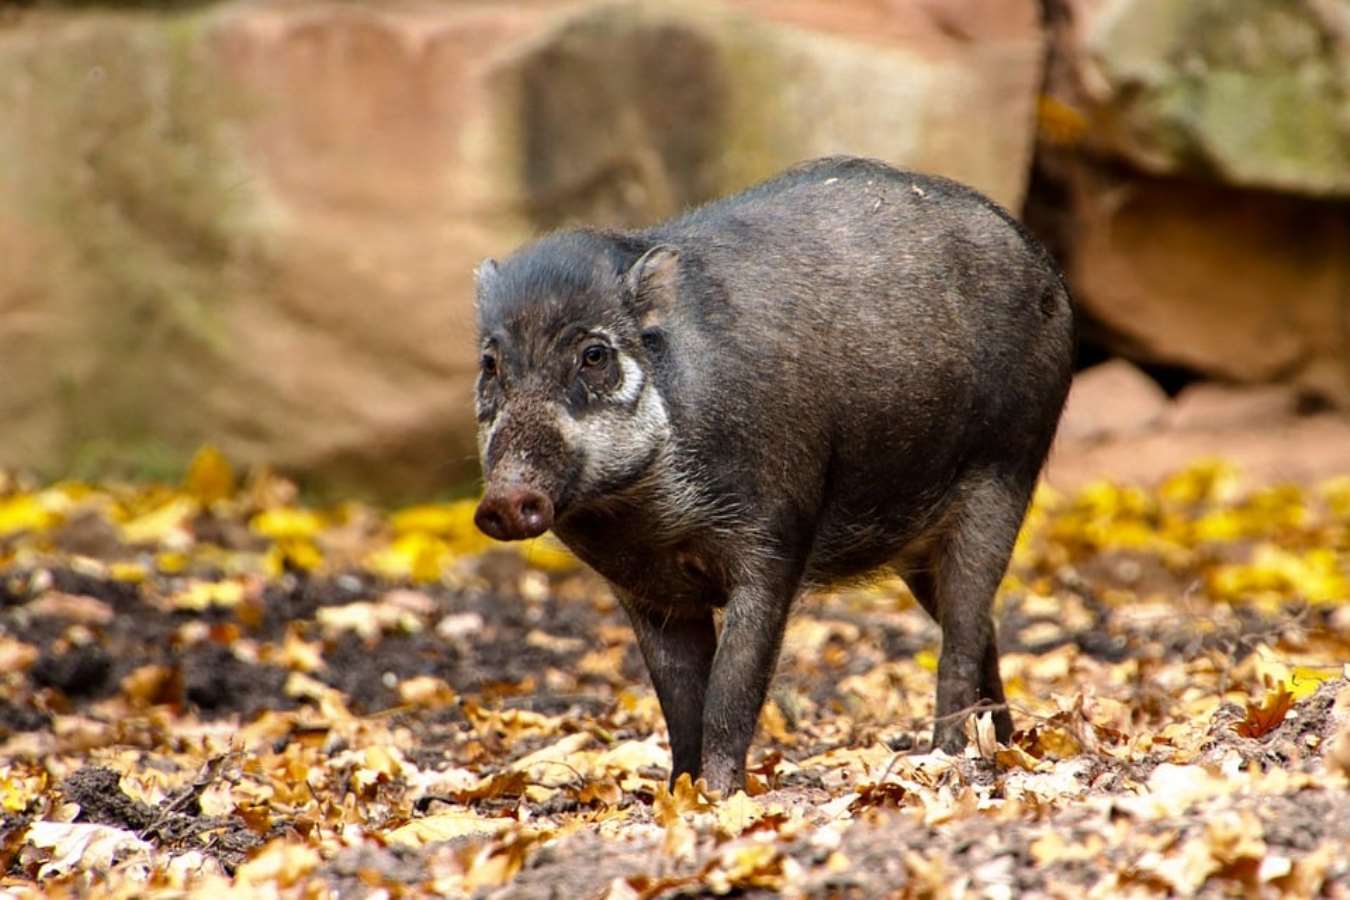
x,y
216,682
77,672
176,824
102,801
15,718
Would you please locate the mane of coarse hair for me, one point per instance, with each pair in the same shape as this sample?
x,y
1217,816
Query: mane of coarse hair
x,y
566,262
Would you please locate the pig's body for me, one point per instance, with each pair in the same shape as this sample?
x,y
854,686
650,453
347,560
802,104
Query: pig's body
x,y
846,367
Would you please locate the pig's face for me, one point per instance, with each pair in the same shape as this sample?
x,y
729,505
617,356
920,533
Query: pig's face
x,y
568,412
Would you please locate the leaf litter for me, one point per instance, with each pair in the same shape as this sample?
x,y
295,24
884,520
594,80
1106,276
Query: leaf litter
x,y
214,687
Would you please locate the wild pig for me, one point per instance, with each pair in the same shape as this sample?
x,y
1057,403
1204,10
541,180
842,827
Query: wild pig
x,y
844,368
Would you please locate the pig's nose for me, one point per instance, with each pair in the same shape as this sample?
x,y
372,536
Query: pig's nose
x,y
513,513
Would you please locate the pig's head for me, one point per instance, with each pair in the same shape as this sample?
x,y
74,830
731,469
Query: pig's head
x,y
568,408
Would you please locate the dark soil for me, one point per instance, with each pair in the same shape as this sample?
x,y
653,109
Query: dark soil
x,y
492,658
77,672
216,682
21,718
177,823
103,802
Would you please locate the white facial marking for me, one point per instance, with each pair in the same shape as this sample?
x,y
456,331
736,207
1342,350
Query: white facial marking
x,y
633,380
486,432
613,439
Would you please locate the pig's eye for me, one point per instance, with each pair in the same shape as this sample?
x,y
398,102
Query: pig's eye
x,y
595,356
489,365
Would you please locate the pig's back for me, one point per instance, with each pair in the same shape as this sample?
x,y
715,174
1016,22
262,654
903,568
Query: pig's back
x,y
903,323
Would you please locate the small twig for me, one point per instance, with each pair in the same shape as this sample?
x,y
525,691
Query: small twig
x,y
189,794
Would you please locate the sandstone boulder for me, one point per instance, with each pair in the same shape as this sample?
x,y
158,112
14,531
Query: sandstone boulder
x,y
1250,287
1249,92
254,224
1212,406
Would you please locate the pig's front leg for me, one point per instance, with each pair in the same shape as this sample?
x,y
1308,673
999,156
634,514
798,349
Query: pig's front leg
x,y
747,655
678,648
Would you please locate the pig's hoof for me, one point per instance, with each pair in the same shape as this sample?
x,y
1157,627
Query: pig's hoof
x,y
724,780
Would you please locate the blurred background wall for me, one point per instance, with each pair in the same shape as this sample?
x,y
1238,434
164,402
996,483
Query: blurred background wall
x,y
254,223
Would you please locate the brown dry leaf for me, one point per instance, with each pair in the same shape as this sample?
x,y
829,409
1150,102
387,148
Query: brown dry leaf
x,y
497,863
78,845
630,757
690,796
1051,848
1174,789
152,684
947,805
1235,837
558,764
737,813
984,743
426,691
505,783
929,871
774,724
1183,869
1265,717
885,794
751,866
604,663
670,807
1053,742
1015,757
1310,873
604,791
511,724
446,826
367,620
281,863
297,653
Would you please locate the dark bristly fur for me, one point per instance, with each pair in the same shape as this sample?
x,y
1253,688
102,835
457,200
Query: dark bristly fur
x,y
843,368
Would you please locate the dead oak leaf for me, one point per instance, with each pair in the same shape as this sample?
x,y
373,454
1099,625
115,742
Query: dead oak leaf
x,y
446,826
281,863
737,813
602,791
497,862
671,806
1265,717
757,865
882,795
81,845
506,783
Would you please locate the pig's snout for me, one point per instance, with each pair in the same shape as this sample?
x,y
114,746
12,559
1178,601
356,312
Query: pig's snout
x,y
514,512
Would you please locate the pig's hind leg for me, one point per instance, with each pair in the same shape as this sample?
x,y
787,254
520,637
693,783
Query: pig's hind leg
x,y
955,582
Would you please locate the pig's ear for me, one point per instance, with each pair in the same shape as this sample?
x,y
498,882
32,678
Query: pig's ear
x,y
484,277
649,285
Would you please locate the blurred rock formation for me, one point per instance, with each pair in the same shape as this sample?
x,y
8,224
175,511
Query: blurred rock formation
x,y
254,224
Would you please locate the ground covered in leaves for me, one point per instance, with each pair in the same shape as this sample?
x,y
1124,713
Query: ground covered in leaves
x,y
213,687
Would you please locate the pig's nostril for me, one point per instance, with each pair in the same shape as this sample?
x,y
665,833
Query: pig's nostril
x,y
536,513
490,521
